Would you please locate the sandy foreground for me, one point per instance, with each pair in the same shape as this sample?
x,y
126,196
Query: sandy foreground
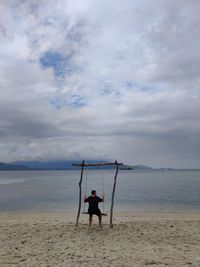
x,y
137,239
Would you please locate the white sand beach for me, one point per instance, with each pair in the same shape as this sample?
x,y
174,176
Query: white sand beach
x,y
137,239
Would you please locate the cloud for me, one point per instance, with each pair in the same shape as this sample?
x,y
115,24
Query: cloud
x,y
92,79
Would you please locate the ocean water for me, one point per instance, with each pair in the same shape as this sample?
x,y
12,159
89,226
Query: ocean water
x,y
136,190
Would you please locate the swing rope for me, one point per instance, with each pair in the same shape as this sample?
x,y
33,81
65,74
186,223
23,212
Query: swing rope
x,y
86,177
86,184
102,182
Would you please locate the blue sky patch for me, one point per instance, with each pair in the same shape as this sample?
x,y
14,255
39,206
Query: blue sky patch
x,y
133,85
59,62
77,101
106,88
74,101
58,102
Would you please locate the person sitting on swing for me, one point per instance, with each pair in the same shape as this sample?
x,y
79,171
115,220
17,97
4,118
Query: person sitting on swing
x,y
93,208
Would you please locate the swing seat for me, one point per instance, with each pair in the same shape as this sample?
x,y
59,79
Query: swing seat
x,y
103,214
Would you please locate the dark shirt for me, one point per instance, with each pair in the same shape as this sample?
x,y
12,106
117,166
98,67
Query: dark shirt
x,y
93,204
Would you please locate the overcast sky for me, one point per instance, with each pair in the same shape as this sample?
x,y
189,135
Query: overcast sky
x,y
100,79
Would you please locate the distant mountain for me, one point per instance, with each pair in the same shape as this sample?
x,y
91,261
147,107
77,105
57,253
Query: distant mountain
x,y
55,165
136,167
126,167
9,167
66,165
142,167
45,165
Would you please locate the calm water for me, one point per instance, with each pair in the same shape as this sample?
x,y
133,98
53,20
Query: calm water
x,y
136,190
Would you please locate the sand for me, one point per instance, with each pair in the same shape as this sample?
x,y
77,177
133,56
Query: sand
x,y
137,239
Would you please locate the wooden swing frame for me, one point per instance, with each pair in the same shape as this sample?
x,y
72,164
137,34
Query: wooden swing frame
x,y
82,165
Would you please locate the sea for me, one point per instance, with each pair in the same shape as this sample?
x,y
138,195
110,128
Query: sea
x,y
136,190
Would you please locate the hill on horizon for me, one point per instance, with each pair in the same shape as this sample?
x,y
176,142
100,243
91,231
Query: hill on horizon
x,y
9,167
55,165
59,165
67,165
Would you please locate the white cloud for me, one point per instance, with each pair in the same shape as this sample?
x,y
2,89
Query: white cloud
x,y
134,64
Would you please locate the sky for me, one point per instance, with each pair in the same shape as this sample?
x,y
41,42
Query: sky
x,y
100,79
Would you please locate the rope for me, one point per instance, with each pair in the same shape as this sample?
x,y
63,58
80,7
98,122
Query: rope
x,y
86,177
102,182
86,183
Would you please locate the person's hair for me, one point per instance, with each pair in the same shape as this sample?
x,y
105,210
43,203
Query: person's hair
x,y
93,192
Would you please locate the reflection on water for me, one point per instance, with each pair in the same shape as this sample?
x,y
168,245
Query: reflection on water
x,y
10,181
136,190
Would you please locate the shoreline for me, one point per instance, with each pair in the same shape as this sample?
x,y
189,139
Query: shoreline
x,y
118,216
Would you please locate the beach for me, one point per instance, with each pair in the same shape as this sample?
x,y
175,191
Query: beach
x,y
137,239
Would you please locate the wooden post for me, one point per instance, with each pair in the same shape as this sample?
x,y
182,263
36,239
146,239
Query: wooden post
x,y
113,194
80,193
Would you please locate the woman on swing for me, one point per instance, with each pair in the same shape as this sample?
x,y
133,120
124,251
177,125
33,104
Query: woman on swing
x,y
93,208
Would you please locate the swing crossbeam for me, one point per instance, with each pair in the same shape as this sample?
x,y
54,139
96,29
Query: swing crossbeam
x,y
96,164
82,165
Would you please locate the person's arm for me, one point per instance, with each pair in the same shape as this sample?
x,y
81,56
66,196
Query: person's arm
x,y
101,199
85,198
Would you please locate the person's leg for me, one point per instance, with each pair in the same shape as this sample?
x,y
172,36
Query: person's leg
x,y
100,220
90,220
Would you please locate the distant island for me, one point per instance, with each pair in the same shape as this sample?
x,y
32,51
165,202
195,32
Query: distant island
x,y
10,167
64,165
135,167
